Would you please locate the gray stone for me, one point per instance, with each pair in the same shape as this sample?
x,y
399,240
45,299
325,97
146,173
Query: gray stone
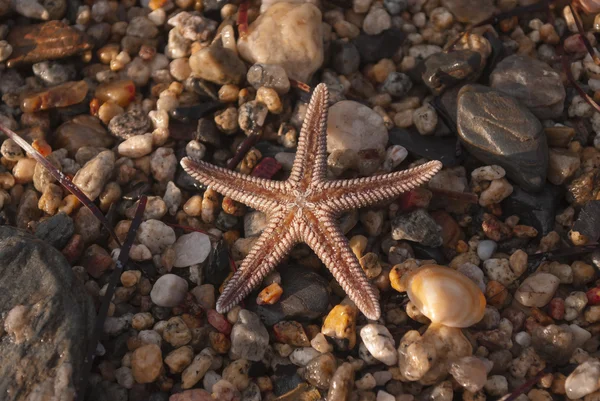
x,y
397,84
56,230
497,129
48,319
443,70
345,58
249,337
129,124
54,73
417,226
533,82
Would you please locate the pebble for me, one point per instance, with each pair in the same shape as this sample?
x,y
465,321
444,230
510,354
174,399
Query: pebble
x,y
191,395
340,325
342,383
146,363
584,380
500,270
169,290
552,342
218,64
505,143
470,372
345,58
249,337
269,76
537,290
156,235
295,30
562,165
319,371
443,69
574,305
470,11
498,190
191,249
53,73
496,386
302,356
532,82
130,124
63,95
425,119
376,21
290,332
197,369
92,177
485,249
397,84
80,132
136,146
417,226
354,126
380,343
236,373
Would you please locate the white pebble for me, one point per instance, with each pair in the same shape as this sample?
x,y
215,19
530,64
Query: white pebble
x,y
485,249
191,249
169,290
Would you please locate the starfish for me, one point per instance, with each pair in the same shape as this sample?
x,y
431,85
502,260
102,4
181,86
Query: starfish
x,y
305,208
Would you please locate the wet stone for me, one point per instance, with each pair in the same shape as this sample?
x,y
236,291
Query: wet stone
x,y
553,343
56,230
48,41
129,124
268,76
584,380
64,95
534,209
320,370
443,70
417,226
533,82
249,337
48,313
496,129
430,147
341,383
82,131
305,296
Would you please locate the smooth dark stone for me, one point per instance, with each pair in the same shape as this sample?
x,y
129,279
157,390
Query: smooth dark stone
x,y
218,267
534,209
305,297
197,111
56,230
427,252
58,321
588,221
443,70
373,48
345,58
225,222
533,82
430,147
496,129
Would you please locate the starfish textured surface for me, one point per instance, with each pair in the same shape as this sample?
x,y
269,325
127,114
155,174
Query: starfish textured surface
x,y
304,209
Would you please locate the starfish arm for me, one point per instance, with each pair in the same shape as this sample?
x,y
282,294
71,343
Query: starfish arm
x,y
311,155
269,249
331,246
345,195
252,191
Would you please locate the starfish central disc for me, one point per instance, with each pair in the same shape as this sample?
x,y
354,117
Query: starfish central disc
x,y
283,201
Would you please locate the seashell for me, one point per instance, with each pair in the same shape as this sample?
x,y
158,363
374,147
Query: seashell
x,y
445,296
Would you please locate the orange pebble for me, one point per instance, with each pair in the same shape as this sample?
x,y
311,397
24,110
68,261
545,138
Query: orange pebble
x,y
269,295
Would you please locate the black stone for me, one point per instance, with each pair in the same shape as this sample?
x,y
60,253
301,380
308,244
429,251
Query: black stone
x,y
534,209
218,267
58,318
305,297
207,132
225,221
443,149
107,391
345,58
285,379
443,70
373,48
588,221
195,112
497,129
56,230
427,252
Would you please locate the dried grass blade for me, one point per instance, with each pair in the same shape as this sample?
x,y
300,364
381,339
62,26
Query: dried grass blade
x,y
62,179
106,299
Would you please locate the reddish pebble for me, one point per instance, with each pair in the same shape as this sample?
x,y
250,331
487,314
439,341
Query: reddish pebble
x,y
557,309
42,147
218,321
96,260
269,295
574,44
74,248
267,168
593,296
417,198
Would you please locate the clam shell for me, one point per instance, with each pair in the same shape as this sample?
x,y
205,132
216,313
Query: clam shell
x,y
446,296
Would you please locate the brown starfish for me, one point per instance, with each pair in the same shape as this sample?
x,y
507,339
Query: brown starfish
x,y
304,209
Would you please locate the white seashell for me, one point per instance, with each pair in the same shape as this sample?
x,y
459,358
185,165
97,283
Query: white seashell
x,y
445,296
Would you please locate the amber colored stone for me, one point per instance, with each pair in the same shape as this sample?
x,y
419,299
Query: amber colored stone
x,y
400,270
340,324
42,147
232,207
269,295
108,52
121,92
451,231
495,293
94,106
63,95
541,317
292,333
51,40
494,229
219,342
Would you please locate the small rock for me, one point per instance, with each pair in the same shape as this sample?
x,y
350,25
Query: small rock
x,y
295,30
470,372
344,57
485,249
198,368
191,249
130,124
352,125
156,235
136,146
146,363
376,21
499,270
95,174
53,73
380,343
537,290
342,383
56,230
218,64
562,165
80,132
320,370
169,290
63,95
268,76
373,48
417,226
553,343
397,84
498,190
425,119
249,337
470,11
584,380
340,325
